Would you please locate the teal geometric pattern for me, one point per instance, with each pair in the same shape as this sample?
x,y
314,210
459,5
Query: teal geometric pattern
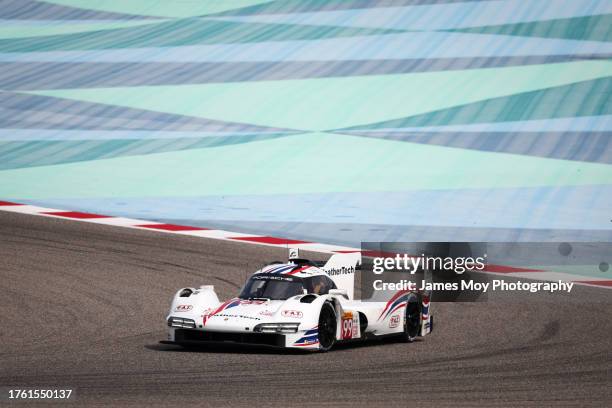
x,y
333,121
540,104
592,28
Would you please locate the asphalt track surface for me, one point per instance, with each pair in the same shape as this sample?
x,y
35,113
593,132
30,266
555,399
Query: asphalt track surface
x,y
83,307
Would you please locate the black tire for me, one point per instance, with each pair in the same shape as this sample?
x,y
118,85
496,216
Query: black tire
x,y
327,327
412,321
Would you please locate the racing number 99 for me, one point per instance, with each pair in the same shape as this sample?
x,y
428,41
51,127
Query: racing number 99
x,y
347,328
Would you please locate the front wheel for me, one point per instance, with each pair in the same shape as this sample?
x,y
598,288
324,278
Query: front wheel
x,y
327,327
412,321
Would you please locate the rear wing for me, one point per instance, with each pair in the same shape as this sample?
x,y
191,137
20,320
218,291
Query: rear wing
x,y
341,269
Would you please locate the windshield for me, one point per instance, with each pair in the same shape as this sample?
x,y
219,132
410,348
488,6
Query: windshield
x,y
271,287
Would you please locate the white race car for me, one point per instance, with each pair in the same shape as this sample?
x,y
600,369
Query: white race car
x,y
299,304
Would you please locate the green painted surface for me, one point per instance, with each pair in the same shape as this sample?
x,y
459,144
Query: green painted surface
x,y
592,28
476,192
333,103
294,6
178,33
15,154
589,98
161,8
316,162
30,30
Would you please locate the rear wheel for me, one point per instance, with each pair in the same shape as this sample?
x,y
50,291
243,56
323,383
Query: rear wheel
x,y
412,321
327,327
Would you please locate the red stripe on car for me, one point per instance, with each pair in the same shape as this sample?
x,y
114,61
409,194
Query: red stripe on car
x,y
298,270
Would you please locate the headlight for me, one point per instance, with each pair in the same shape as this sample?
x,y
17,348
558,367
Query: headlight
x,y
181,323
276,328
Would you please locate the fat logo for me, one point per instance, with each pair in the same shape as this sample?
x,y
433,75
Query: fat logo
x,y
296,314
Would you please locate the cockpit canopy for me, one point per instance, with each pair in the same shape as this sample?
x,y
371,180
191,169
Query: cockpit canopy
x,y
282,287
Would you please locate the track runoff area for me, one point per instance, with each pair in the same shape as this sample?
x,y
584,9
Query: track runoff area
x,y
93,298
